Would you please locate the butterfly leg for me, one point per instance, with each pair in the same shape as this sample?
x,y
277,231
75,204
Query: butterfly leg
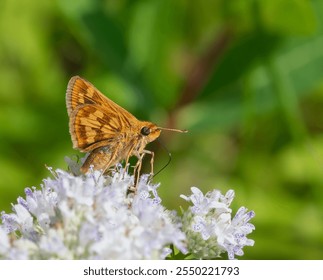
x,y
126,166
136,173
139,165
111,161
152,157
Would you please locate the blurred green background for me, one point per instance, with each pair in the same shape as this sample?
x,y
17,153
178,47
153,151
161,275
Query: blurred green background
x,y
244,77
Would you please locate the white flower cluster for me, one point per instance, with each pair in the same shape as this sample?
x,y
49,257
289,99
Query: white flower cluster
x,y
209,227
90,217
95,217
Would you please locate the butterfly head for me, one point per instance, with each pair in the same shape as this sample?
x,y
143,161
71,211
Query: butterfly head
x,y
149,131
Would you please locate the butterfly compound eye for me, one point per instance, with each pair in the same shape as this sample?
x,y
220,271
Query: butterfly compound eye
x,y
145,131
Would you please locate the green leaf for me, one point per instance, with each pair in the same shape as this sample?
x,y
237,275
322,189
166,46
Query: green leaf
x,y
288,17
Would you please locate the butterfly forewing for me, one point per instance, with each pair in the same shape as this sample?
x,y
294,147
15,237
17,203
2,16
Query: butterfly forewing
x,y
81,92
94,118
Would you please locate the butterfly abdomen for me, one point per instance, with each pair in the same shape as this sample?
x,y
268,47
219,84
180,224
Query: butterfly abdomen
x,y
100,159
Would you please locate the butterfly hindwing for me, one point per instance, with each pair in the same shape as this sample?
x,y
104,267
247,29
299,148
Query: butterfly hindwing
x,y
89,124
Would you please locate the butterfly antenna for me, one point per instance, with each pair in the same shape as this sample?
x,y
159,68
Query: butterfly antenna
x,y
173,129
169,157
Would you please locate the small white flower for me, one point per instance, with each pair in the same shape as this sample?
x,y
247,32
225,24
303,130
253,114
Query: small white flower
x,y
209,228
